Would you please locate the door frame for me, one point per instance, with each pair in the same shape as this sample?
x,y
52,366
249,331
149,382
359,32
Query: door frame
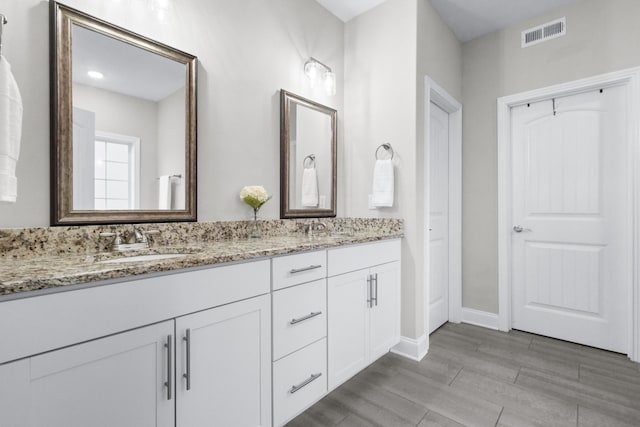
x,y
440,97
630,80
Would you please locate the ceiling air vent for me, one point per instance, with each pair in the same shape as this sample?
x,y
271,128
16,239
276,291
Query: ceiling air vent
x,y
544,32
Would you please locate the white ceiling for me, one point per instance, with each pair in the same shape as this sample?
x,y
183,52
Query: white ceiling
x,y
347,9
127,69
468,19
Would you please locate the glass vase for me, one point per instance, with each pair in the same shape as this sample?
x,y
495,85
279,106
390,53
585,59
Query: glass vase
x,y
255,231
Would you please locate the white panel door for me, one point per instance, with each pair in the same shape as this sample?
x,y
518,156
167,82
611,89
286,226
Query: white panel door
x,y
228,363
571,242
438,218
114,381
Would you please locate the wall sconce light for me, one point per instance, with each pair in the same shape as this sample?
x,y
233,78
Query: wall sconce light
x,y
316,71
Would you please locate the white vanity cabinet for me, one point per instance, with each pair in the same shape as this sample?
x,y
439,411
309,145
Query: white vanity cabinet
x,y
246,344
299,302
363,299
223,366
136,378
123,380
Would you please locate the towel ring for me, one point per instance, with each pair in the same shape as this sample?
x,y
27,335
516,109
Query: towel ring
x,y
387,147
311,158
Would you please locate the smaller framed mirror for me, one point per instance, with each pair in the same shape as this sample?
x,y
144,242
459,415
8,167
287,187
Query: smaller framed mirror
x,y
308,147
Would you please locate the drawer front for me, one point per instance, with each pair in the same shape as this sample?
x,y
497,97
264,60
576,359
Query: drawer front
x,y
356,257
300,268
299,317
299,380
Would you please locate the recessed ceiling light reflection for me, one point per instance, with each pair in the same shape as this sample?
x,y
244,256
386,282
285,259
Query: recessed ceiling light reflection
x,y
95,74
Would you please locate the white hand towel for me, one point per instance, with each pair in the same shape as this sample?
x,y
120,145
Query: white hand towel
x,y
310,188
164,192
10,132
382,194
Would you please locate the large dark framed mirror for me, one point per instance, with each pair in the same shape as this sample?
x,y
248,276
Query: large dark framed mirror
x,y
123,124
308,147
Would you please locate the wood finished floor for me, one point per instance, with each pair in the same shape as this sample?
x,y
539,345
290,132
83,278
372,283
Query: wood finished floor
x,y
478,377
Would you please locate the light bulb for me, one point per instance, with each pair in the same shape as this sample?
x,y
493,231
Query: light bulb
x,y
311,70
330,83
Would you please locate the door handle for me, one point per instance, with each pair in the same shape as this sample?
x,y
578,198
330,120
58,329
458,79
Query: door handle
x,y
169,382
187,340
520,229
375,278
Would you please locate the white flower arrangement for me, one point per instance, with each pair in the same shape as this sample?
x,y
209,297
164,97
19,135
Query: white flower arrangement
x,y
254,196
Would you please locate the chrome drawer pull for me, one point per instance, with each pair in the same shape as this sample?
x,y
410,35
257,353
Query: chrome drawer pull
x,y
306,382
300,270
307,317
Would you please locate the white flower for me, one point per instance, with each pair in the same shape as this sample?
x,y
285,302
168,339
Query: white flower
x,y
254,195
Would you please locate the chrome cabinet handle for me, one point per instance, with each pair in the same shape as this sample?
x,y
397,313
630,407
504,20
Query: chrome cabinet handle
x,y
169,383
376,297
304,383
307,317
520,229
187,375
369,291
300,270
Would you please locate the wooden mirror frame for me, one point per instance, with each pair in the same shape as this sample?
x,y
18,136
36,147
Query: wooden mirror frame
x,y
286,211
62,213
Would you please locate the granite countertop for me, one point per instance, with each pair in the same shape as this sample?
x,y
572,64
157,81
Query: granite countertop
x,y
54,272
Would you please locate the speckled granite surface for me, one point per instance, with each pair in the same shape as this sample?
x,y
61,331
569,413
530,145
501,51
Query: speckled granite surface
x,y
53,257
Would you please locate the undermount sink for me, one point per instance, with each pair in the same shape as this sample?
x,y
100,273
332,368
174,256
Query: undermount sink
x,y
140,258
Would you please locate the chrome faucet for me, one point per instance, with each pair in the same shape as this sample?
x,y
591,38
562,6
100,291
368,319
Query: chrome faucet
x,y
126,241
314,225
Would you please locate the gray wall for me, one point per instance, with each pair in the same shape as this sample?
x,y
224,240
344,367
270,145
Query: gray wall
x,y
388,51
126,115
247,49
602,36
171,155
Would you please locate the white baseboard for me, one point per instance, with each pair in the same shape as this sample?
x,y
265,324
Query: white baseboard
x,y
414,349
480,318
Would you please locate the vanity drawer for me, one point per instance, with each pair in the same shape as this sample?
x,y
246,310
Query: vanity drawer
x,y
299,317
299,380
300,268
357,257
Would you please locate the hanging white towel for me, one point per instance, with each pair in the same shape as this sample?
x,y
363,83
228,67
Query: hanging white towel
x,y
382,194
10,132
310,187
164,192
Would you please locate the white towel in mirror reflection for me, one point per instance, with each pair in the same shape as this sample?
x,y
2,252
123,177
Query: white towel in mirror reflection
x,y
310,188
164,192
10,132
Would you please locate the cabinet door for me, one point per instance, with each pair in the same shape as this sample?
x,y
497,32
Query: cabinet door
x,y
347,332
228,357
114,381
384,331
